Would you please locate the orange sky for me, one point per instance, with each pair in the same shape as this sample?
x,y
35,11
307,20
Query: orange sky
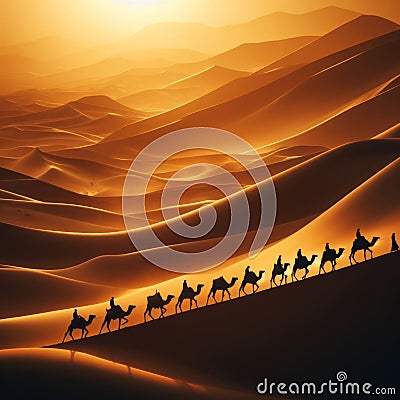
x,y
108,20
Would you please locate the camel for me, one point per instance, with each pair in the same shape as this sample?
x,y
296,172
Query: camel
x,y
252,278
362,244
221,284
79,323
116,313
279,270
156,301
330,255
188,294
302,263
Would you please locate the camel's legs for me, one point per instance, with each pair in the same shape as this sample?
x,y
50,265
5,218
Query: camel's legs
x,y
229,294
70,334
195,302
370,251
305,275
365,254
86,332
83,331
285,279
150,314
208,297
66,333
294,275
321,267
213,296
333,265
108,325
191,302
258,287
280,281
163,310
223,294
119,323
102,325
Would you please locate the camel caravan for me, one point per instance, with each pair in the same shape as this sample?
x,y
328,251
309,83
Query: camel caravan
x,y
156,301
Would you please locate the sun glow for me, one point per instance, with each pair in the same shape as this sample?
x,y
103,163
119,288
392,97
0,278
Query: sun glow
x,y
141,2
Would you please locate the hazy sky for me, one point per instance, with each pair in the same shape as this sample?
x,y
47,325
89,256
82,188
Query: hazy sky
x,y
22,20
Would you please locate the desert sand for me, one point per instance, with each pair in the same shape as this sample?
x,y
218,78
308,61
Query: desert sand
x,y
315,93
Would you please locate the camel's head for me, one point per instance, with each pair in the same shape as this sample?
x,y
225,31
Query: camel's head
x,y
200,285
170,297
92,316
131,306
262,272
234,279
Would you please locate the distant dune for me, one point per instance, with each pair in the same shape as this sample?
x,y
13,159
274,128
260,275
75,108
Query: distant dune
x,y
270,27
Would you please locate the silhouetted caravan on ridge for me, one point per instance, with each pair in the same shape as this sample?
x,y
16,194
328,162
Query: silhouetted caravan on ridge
x,y
79,323
301,262
188,293
250,278
221,284
361,243
116,312
279,269
395,246
330,255
156,301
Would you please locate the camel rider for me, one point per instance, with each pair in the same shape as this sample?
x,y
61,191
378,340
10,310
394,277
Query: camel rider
x,y
279,261
75,315
327,248
185,286
358,234
112,303
299,255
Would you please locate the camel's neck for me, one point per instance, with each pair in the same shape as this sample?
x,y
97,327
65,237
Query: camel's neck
x,y
197,292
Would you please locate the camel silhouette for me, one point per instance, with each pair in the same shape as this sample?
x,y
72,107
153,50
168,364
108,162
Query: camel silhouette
x,y
118,313
395,246
190,294
156,301
279,270
251,278
330,255
221,284
362,244
81,324
302,263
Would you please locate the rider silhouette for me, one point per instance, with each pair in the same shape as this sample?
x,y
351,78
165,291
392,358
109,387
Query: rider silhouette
x,y
327,248
395,246
279,261
112,303
358,234
299,255
75,315
185,286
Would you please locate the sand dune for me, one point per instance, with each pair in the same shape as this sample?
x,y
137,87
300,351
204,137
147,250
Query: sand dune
x,y
240,114
209,79
356,31
258,318
316,94
212,40
364,159
81,373
45,292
